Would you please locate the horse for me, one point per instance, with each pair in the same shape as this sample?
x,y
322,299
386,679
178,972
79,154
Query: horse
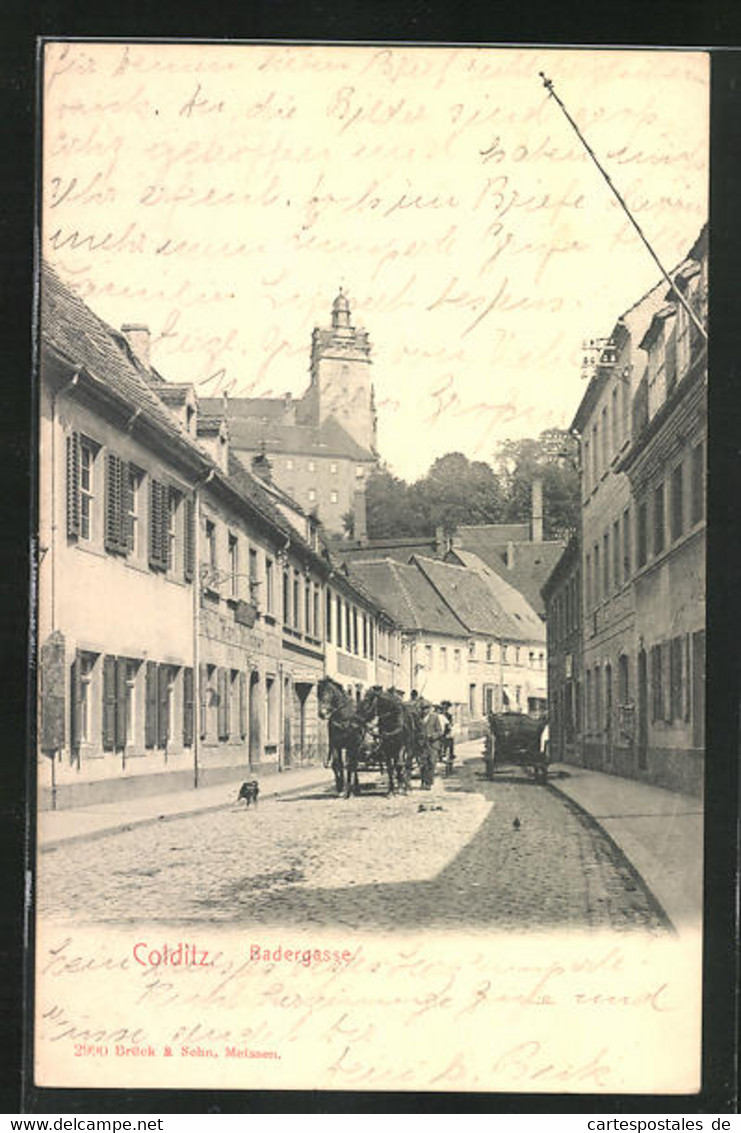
x,y
396,734
346,732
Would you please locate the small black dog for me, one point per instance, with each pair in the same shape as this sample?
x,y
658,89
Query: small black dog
x,y
249,791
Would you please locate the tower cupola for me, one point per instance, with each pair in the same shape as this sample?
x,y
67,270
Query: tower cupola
x,y
341,312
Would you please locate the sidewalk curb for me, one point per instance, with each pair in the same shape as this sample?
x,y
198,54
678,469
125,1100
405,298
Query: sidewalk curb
x,y
125,825
582,811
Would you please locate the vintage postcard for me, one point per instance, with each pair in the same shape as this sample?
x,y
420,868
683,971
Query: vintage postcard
x,y
371,583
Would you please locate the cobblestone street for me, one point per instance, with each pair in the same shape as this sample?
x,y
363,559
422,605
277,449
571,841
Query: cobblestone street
x,y
449,858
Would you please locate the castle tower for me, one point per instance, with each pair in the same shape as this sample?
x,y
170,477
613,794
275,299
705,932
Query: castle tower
x,y
341,385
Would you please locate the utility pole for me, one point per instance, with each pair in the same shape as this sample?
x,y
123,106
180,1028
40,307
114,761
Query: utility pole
x,y
548,84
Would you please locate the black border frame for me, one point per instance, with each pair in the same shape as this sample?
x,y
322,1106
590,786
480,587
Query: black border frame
x,y
283,21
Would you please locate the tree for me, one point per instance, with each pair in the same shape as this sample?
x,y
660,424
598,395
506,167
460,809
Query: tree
x,y
552,458
457,490
390,510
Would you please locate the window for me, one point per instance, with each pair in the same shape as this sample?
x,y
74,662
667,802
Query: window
x,y
472,699
589,580
676,685
173,506
677,497
233,566
289,465
428,657
286,598
488,651
589,704
597,699
131,519
355,641
472,650
596,573
328,616
339,621
595,454
659,519
269,585
312,495
86,663
605,440
443,657
131,668
295,605
626,545
504,654
316,622
518,696
87,496
517,655
365,636
531,659
623,679
312,466
586,465
615,420
606,562
333,467
616,553
211,547
457,660
252,573
333,497
642,533
698,484
348,628
308,610
359,472
371,638
657,684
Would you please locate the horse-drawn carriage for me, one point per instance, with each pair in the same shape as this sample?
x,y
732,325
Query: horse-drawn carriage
x,y
517,740
380,734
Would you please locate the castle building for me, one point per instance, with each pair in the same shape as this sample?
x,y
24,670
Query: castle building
x,y
321,446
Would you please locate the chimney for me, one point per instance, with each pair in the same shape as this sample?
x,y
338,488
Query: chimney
x,y
262,468
536,525
137,336
510,558
289,410
439,539
359,509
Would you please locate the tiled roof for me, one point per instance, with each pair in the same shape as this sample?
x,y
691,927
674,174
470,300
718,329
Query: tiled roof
x,y
252,489
524,613
477,605
250,431
533,562
408,596
499,532
400,550
271,408
71,330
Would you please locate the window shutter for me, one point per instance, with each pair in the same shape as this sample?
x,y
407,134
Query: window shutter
x,y
75,721
187,707
109,702
203,699
121,736
222,682
242,705
189,541
127,506
157,520
163,675
112,502
73,485
150,705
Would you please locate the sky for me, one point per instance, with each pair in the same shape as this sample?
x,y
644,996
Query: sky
x,y
221,194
